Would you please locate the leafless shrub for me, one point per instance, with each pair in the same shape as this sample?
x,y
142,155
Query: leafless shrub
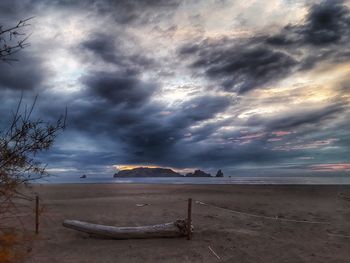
x,y
20,142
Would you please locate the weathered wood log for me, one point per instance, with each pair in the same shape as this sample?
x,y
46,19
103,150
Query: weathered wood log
x,y
173,229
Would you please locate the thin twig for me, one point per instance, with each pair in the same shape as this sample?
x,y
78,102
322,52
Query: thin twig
x,y
212,251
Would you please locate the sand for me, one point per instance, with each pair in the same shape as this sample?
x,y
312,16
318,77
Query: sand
x,y
232,236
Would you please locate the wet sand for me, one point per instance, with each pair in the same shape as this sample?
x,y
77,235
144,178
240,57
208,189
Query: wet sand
x,y
235,237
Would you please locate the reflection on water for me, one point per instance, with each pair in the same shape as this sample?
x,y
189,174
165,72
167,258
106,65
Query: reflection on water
x,y
204,180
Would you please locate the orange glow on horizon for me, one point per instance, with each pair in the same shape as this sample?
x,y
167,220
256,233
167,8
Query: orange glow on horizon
x,y
331,167
132,166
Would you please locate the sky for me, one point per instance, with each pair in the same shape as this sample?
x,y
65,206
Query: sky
x,y
255,88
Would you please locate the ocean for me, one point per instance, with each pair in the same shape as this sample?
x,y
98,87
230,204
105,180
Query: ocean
x,y
200,180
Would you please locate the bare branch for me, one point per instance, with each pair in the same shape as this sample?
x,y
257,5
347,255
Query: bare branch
x,y
8,45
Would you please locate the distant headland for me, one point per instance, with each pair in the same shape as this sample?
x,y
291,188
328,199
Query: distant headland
x,y
161,172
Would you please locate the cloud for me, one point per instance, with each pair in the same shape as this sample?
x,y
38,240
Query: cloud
x,y
26,74
297,118
242,65
331,167
323,36
326,23
102,46
166,83
123,12
118,88
306,145
200,108
112,50
131,133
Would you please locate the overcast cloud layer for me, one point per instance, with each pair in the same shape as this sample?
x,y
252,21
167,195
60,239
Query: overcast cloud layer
x,y
251,87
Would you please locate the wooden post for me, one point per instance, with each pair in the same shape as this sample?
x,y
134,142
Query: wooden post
x,y
37,215
189,219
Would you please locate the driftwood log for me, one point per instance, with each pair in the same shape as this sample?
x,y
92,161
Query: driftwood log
x,y
174,229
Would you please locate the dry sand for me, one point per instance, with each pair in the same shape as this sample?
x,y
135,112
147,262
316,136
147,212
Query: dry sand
x,y
234,237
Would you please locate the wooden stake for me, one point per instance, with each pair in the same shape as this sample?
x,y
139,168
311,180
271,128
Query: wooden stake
x,y
189,219
37,215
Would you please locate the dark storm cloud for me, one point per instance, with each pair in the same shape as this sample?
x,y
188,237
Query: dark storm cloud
x,y
123,85
298,118
261,60
26,71
119,87
156,139
326,23
201,108
241,67
139,134
255,152
324,35
148,135
25,74
102,46
131,135
109,49
125,12
129,116
122,11
15,10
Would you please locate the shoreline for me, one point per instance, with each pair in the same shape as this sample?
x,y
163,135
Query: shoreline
x,y
189,184
344,180
35,185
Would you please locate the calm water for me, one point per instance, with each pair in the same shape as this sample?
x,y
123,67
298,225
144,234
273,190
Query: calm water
x,y
204,180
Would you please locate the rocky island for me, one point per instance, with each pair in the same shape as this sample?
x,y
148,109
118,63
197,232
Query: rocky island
x,y
157,172
148,172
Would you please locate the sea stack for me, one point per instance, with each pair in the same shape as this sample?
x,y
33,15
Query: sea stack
x,y
219,174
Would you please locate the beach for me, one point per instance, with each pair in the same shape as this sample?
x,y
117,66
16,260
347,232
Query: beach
x,y
232,223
